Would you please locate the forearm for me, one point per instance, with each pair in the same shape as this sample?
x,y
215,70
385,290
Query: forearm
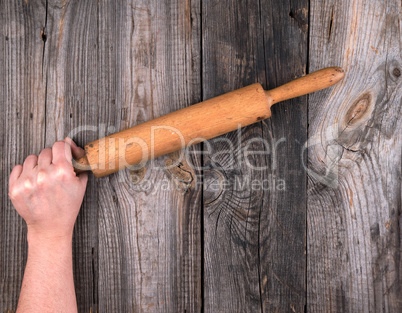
x,y
48,284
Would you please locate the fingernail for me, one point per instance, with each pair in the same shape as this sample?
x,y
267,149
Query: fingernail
x,y
70,141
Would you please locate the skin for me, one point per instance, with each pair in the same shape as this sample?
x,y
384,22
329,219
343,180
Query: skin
x,y
47,194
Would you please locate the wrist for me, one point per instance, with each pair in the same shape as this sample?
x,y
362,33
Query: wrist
x,y
49,239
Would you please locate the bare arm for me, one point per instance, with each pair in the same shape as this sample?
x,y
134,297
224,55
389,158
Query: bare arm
x,y
46,192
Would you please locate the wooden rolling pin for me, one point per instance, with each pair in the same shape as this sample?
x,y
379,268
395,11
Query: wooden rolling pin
x,y
196,123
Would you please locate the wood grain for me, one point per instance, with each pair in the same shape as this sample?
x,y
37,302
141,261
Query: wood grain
x,y
162,237
354,185
255,238
71,67
22,100
231,59
149,233
283,217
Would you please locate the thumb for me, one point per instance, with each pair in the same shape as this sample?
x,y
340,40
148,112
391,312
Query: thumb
x,y
75,150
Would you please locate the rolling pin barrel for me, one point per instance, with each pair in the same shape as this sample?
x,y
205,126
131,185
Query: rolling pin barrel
x,y
177,130
196,123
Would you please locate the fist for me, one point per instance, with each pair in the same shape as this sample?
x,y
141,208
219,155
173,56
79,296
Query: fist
x,y
46,192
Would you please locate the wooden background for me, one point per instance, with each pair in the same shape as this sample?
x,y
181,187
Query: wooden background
x,y
329,242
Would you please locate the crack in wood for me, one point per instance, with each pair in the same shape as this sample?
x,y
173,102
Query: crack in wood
x,y
331,24
43,35
297,15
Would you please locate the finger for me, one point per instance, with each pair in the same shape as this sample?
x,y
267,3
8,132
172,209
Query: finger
x,y
45,158
15,174
30,162
61,153
76,151
83,179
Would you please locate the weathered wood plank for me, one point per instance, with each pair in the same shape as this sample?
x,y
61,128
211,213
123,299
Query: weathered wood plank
x,y
71,67
22,102
354,185
255,225
149,233
283,220
231,59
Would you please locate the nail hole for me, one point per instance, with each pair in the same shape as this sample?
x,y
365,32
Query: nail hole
x,y
43,35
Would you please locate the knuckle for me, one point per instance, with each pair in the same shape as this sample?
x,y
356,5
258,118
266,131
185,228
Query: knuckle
x,y
22,188
61,172
13,192
27,185
41,178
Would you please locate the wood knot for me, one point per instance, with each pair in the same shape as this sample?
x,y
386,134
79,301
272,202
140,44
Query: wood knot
x,y
396,72
180,173
357,111
137,173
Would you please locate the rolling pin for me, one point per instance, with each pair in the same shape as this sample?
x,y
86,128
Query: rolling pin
x,y
196,123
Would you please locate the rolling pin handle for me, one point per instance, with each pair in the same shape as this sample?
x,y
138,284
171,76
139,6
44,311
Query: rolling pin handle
x,y
312,82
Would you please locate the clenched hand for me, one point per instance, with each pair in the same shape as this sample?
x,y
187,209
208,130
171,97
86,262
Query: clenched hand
x,y
46,192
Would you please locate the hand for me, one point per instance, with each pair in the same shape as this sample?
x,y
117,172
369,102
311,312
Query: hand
x,y
46,192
